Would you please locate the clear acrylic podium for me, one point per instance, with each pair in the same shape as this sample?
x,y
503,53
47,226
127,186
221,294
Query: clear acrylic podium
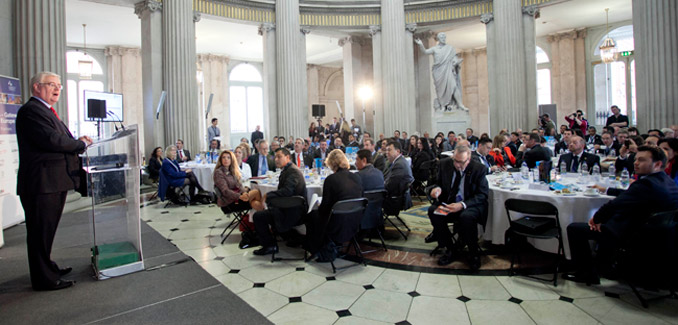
x,y
113,179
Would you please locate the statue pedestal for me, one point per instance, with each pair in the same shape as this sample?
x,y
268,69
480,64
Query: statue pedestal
x,y
456,120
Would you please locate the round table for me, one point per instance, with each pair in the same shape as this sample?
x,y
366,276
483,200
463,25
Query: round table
x,y
203,173
271,184
576,208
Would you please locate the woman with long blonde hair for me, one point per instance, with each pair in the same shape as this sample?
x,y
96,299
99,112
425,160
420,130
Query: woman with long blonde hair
x,y
233,194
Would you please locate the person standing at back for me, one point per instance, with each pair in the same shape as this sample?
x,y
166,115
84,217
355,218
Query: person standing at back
x,y
213,132
48,169
256,136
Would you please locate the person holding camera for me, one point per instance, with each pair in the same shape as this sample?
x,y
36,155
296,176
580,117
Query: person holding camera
x,y
546,123
578,121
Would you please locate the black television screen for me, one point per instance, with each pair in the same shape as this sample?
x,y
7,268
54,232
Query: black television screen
x,y
113,105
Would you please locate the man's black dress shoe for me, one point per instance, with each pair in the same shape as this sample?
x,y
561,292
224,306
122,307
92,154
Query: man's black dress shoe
x,y
474,262
430,238
446,259
580,278
65,270
266,250
60,284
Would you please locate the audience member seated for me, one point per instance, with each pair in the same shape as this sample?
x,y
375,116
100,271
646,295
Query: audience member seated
x,y
213,152
670,147
515,142
246,150
592,138
411,149
378,160
668,133
451,141
535,153
472,139
274,146
438,145
424,155
461,197
175,176
300,158
245,169
652,140
341,185
501,153
372,177
398,175
234,196
352,142
261,162
338,144
607,147
482,155
322,151
627,154
154,164
182,153
577,156
562,146
291,183
653,192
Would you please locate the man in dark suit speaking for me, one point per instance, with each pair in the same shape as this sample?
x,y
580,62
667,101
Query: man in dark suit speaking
x,y
461,197
48,168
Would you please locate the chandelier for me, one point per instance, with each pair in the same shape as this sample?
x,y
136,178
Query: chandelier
x,y
85,64
608,51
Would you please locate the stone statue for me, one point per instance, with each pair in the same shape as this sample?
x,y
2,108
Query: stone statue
x,y
446,66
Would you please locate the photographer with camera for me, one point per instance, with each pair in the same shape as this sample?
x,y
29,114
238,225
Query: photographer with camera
x,y
546,123
577,121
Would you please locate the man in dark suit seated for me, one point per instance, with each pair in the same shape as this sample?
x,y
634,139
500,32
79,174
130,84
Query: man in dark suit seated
x,y
607,145
338,144
373,178
461,197
261,162
291,184
592,138
378,160
577,156
182,153
398,175
653,192
322,151
564,143
299,157
352,142
482,155
535,153
472,139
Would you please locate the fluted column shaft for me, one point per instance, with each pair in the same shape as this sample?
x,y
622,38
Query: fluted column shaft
x,y
656,44
377,84
394,68
179,74
41,44
290,49
267,32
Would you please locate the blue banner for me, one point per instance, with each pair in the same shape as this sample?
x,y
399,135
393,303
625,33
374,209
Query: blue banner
x,y
10,102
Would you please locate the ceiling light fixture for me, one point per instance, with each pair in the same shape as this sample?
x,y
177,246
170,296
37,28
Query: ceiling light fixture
x,y
85,64
608,51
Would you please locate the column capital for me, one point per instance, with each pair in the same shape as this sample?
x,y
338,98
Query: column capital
x,y
120,50
425,35
582,32
147,5
531,11
196,16
374,29
479,51
212,58
305,29
265,28
353,40
486,18
411,27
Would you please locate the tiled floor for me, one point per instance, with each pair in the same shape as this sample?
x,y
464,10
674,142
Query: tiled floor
x,y
295,292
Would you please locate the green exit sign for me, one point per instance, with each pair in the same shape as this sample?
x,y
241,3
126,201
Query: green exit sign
x,y
626,53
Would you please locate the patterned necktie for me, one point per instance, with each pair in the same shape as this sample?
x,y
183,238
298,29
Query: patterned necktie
x,y
55,113
575,163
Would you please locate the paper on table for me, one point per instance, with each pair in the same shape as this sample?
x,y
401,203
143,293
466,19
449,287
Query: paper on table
x,y
315,199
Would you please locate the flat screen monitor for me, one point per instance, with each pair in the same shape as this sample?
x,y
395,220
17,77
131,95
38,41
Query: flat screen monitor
x,y
113,105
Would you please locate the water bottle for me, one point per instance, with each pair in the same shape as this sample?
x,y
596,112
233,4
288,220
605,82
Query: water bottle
x,y
535,175
563,168
613,173
584,170
524,171
625,178
613,153
596,173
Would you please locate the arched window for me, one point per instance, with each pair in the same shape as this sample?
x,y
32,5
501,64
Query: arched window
x,y
246,99
77,116
615,83
543,77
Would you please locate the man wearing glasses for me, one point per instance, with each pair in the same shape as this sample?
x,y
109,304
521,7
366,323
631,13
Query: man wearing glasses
x,y
461,198
48,169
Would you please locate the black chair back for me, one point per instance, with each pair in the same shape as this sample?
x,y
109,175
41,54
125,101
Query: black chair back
x,y
347,213
296,201
537,216
373,214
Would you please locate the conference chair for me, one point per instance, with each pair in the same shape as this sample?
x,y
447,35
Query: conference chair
x,y
283,204
392,207
237,214
373,218
348,214
540,221
175,195
649,256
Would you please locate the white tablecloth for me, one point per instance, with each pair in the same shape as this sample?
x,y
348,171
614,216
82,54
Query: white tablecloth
x,y
578,208
266,186
202,172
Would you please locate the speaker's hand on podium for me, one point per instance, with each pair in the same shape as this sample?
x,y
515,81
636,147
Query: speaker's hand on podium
x,y
87,140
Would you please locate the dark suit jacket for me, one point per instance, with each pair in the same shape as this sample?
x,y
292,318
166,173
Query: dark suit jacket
x,y
397,177
48,153
650,194
343,149
418,160
596,139
341,185
537,153
291,183
256,135
475,156
627,163
513,147
560,146
187,153
306,159
472,139
379,162
153,168
372,178
607,150
253,161
318,154
590,160
476,188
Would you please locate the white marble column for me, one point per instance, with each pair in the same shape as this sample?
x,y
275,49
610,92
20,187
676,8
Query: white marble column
x,y
179,74
656,48
124,68
149,11
40,28
377,82
413,114
215,83
424,83
353,76
267,32
395,78
510,37
313,88
291,70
